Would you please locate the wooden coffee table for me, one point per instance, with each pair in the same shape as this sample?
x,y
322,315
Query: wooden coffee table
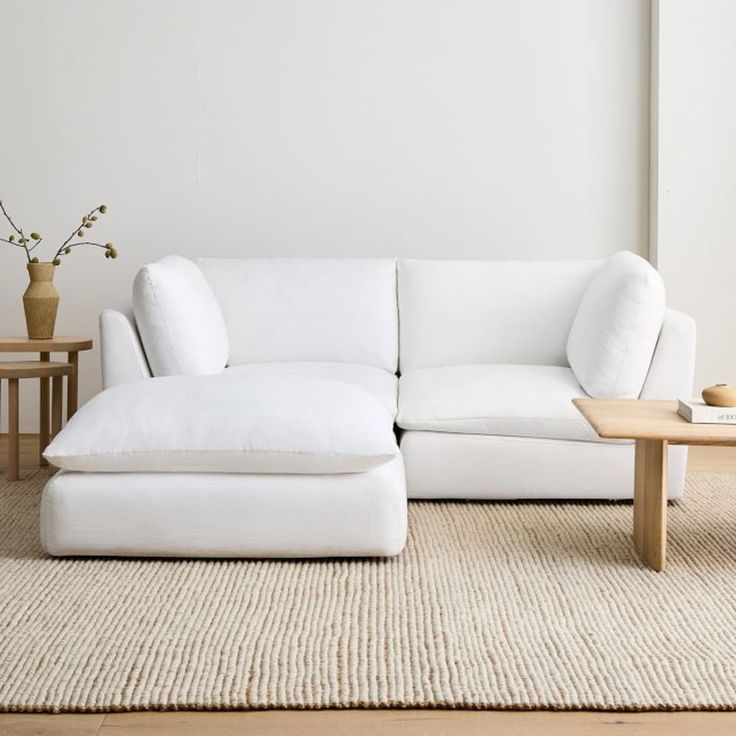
x,y
654,425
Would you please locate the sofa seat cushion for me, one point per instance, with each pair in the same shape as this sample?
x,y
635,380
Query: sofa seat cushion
x,y
378,382
509,400
228,424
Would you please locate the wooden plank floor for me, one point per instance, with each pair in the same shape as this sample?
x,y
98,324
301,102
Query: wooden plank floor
x,y
385,722
372,723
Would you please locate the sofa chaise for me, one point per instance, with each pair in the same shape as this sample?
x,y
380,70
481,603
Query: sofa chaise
x,y
288,407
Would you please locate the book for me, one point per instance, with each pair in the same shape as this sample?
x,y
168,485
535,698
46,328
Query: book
x,y
698,412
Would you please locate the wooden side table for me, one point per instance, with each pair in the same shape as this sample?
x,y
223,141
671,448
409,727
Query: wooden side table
x,y
14,372
654,425
72,346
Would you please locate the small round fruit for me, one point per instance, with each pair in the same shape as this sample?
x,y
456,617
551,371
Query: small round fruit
x,y
720,395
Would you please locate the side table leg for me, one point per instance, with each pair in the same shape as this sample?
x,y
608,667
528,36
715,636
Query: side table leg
x,y
72,386
56,403
43,420
650,502
13,448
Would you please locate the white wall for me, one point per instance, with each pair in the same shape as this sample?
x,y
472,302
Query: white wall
x,y
423,128
696,191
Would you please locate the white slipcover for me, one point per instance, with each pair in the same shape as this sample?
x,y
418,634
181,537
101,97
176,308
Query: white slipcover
x,y
179,320
512,400
464,312
226,515
228,424
307,310
378,382
615,330
476,466
534,304
121,353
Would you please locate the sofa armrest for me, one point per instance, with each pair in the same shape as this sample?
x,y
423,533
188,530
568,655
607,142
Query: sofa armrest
x,y
673,364
123,359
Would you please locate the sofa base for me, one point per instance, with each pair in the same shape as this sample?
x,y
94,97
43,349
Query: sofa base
x,y
226,515
448,465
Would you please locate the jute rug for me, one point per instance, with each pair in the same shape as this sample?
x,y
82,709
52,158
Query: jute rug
x,y
497,605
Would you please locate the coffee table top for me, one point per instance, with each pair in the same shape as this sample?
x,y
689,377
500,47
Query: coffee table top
x,y
60,344
637,419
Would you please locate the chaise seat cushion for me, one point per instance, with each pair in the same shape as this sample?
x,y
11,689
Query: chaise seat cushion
x,y
508,400
228,424
377,381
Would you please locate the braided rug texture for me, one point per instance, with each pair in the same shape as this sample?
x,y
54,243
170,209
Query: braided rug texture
x,y
492,605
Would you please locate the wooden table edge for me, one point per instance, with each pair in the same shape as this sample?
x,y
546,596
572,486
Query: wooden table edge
x,y
24,369
686,437
59,344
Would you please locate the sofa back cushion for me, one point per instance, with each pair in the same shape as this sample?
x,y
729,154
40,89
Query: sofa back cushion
x,y
322,309
469,312
616,327
178,318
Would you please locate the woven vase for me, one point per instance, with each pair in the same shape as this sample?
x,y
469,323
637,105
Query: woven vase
x,y
40,301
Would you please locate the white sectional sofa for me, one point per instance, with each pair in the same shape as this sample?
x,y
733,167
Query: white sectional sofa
x,y
250,404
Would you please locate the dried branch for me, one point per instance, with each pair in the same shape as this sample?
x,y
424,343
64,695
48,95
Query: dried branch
x,y
10,220
12,242
109,249
77,228
83,242
87,223
23,239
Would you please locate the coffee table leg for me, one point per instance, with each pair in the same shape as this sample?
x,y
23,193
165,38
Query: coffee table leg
x,y
650,502
13,429
43,420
